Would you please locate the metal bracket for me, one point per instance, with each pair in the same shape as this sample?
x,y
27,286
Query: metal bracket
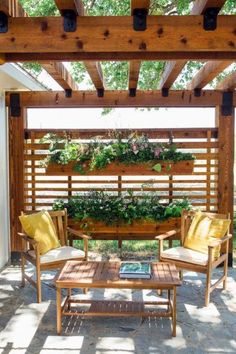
x,y
70,23
165,92
68,93
15,109
227,103
197,92
132,92
210,18
100,92
3,22
140,19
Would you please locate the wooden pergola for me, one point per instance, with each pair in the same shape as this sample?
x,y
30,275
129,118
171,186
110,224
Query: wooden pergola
x,y
204,35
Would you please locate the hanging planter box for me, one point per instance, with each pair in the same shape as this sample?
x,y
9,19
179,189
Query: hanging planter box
x,y
138,230
119,169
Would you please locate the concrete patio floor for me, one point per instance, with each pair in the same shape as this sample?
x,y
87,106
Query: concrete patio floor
x,y
28,327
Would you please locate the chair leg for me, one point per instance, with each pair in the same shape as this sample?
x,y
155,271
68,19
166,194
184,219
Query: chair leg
x,y
38,285
225,273
208,286
22,270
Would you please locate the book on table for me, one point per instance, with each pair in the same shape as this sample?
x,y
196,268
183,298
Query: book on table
x,y
135,270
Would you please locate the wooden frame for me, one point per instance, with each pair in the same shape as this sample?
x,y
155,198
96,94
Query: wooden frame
x,y
212,263
60,221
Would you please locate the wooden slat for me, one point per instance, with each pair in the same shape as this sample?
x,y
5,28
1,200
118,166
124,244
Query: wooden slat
x,y
173,69
90,31
60,74
207,73
115,99
229,83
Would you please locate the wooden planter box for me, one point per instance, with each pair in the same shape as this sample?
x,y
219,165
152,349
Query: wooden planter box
x,y
119,169
138,230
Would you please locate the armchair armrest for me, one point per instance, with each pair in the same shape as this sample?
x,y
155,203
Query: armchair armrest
x,y
167,235
219,241
28,239
78,233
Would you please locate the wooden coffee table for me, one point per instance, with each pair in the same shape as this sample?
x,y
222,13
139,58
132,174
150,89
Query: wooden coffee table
x,y
104,275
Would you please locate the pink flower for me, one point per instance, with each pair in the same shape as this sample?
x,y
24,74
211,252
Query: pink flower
x,y
135,149
157,152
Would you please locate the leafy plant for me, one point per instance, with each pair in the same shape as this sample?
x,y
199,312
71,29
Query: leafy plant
x,y
98,154
124,208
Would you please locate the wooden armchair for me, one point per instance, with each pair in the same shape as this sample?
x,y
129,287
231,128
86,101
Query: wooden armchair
x,y
54,258
188,259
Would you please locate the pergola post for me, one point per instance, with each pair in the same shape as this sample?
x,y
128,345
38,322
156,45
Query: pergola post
x,y
16,173
225,124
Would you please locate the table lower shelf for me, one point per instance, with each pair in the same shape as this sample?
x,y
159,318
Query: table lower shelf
x,y
116,308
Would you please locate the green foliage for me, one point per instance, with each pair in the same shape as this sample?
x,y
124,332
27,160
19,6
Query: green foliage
x,y
98,154
124,208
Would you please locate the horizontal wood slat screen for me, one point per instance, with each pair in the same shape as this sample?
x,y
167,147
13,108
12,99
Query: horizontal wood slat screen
x,y
201,187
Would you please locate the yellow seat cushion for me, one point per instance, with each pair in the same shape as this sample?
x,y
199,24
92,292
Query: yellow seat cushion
x,y
203,230
40,227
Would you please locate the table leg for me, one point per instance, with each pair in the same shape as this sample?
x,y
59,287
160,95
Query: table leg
x,y
58,310
174,313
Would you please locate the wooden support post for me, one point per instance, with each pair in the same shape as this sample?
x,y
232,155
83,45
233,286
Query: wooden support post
x,y
16,176
225,126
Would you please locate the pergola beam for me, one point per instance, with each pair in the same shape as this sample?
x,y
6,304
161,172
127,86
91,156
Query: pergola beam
x,y
115,37
61,75
94,69
115,99
207,73
56,70
75,5
134,66
229,83
12,8
172,70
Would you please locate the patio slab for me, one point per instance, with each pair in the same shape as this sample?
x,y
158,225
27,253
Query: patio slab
x,y
28,327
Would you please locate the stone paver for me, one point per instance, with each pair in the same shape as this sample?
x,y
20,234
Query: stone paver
x,y
28,327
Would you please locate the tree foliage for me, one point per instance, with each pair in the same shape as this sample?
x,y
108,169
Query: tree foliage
x,y
116,73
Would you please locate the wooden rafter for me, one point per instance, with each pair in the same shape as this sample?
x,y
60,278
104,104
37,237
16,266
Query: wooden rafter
x,y
119,40
61,75
229,83
12,8
173,69
56,70
90,99
207,73
134,66
75,5
94,69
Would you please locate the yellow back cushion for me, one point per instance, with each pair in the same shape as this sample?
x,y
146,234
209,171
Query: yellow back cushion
x,y
203,230
40,227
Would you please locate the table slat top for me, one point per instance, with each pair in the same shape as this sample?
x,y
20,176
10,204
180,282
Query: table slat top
x,y
106,275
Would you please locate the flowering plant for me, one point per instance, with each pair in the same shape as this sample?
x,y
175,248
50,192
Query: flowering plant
x,y
98,154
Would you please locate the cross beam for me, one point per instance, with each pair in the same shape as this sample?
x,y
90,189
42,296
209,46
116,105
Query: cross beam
x,y
115,99
229,83
173,69
115,37
207,73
